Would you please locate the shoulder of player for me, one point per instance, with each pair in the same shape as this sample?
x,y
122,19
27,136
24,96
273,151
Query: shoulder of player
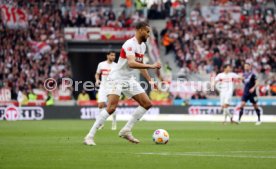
x,y
233,74
129,42
254,75
101,63
144,45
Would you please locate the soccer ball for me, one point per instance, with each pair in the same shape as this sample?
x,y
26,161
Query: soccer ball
x,y
160,136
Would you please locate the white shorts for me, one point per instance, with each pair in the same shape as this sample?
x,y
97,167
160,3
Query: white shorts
x,y
102,94
225,98
129,88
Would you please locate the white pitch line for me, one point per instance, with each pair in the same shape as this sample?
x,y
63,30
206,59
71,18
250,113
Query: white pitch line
x,y
206,155
254,151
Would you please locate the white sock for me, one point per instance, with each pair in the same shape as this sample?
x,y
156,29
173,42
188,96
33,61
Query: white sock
x,y
114,118
228,112
136,116
99,121
225,114
100,110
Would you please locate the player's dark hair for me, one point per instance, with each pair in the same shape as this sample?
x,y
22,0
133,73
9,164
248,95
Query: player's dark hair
x,y
109,52
140,25
226,65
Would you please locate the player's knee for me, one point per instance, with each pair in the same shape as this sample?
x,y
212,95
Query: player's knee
x,y
147,105
256,107
100,105
111,109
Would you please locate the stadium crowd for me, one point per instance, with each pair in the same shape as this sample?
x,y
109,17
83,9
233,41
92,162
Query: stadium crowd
x,y
29,56
208,43
202,45
246,4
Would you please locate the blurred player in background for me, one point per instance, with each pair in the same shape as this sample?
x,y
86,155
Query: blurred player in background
x,y
103,70
249,92
121,80
225,84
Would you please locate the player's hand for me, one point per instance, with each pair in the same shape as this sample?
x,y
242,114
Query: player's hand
x,y
251,90
98,82
154,85
156,65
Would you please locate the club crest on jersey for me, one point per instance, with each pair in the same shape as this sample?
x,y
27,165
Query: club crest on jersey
x,y
129,48
138,59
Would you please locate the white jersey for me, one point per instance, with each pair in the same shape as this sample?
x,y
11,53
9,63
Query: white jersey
x,y
131,47
104,68
226,81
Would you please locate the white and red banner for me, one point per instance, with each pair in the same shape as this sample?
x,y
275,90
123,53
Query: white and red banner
x,y
39,48
104,33
14,18
5,94
13,113
213,13
108,33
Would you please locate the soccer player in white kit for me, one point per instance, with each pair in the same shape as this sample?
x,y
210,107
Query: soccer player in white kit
x,y
225,84
103,70
120,80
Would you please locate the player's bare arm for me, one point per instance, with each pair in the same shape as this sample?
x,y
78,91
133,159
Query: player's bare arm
x,y
97,77
146,75
136,65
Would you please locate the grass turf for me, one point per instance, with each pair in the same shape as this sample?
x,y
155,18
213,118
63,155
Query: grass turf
x,y
58,144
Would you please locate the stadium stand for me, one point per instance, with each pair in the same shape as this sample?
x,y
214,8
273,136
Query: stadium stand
x,y
29,56
201,44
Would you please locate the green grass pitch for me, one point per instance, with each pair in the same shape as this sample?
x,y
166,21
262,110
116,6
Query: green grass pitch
x,y
58,144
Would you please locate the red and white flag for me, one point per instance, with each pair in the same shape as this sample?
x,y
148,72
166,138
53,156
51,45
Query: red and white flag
x,y
14,18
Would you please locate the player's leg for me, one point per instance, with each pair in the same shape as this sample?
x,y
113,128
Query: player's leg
x,y
254,100
144,105
114,122
230,115
241,110
258,112
102,99
101,106
113,101
243,102
224,113
223,102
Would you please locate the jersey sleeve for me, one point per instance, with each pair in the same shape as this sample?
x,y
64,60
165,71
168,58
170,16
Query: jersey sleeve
x,y
235,75
99,68
254,77
217,78
145,48
127,49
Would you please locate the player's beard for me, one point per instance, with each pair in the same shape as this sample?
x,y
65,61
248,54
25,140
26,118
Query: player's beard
x,y
144,39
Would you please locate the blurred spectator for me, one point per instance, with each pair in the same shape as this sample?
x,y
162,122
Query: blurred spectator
x,y
157,95
141,7
167,73
273,86
22,98
198,95
30,56
83,96
31,95
177,97
50,100
208,44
